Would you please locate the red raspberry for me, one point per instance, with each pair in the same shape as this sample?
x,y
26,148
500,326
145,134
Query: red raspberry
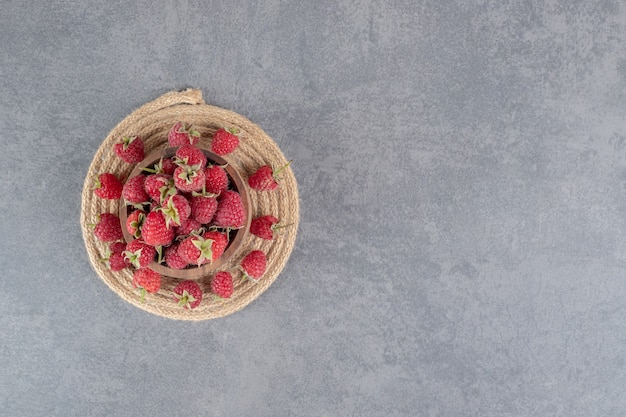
x,y
139,254
195,250
224,141
254,265
264,227
188,294
117,262
199,250
176,210
155,231
190,155
130,149
167,166
134,190
220,241
265,179
203,207
134,222
159,187
117,247
190,225
230,214
108,228
115,257
189,179
222,284
108,186
173,259
216,179
147,280
182,134
164,166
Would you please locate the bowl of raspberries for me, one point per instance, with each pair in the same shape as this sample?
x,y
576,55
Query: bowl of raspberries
x,y
187,225
187,207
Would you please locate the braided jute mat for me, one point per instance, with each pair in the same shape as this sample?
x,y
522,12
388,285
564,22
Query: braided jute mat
x,y
151,122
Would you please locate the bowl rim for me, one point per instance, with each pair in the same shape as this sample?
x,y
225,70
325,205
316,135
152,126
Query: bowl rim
x,y
236,236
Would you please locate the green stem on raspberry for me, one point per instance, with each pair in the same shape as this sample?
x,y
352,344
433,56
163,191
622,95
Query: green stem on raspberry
x,y
276,228
138,206
281,168
185,298
245,277
107,255
133,257
203,193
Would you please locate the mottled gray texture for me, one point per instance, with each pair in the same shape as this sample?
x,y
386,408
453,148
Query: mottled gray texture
x,y
462,171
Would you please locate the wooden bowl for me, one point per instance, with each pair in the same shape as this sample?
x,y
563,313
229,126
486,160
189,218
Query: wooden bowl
x,y
236,236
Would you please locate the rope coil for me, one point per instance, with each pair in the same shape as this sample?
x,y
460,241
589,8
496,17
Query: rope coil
x,y
151,122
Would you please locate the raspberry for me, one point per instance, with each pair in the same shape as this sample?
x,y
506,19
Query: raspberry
x,y
134,190
134,222
198,250
203,208
176,210
173,259
130,149
115,256
188,294
265,179
108,228
190,155
222,284
182,134
253,265
139,254
190,225
189,178
159,186
155,231
108,186
264,227
147,280
230,214
224,141
216,179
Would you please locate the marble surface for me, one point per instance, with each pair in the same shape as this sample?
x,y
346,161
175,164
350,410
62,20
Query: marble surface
x,y
462,172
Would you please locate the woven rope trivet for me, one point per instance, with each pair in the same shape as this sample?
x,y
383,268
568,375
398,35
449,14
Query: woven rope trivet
x,y
151,122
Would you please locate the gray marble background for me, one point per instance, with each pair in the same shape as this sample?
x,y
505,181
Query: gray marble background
x,y
462,171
